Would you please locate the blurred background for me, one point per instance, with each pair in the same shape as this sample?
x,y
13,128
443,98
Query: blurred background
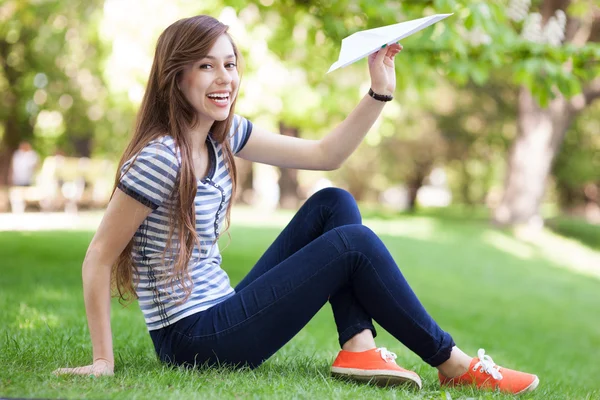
x,y
495,114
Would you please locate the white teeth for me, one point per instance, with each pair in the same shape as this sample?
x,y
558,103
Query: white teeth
x,y
219,95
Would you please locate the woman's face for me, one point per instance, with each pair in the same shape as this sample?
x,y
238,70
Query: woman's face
x,y
211,84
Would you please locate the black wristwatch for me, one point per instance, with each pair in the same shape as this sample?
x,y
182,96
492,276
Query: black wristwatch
x,y
380,97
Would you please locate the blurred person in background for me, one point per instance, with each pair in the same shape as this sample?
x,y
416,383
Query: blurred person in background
x,y
23,165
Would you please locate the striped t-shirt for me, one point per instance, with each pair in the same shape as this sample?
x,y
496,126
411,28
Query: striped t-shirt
x,y
151,180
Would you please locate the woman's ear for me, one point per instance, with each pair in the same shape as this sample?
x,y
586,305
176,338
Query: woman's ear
x,y
178,78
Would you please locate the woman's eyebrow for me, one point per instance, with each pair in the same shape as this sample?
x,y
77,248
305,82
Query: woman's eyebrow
x,y
214,58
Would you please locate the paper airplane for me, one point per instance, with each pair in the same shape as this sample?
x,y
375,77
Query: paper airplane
x,y
363,43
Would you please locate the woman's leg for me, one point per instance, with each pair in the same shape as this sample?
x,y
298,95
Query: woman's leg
x,y
326,209
260,318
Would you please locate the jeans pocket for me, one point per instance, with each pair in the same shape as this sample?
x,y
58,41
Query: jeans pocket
x,y
179,339
192,351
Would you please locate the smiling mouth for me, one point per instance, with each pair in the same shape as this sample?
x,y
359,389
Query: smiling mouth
x,y
219,98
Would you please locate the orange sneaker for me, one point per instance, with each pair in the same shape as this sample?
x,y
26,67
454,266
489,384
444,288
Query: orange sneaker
x,y
483,373
375,365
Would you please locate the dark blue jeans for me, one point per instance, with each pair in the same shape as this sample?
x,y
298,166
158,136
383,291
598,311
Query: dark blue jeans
x,y
324,254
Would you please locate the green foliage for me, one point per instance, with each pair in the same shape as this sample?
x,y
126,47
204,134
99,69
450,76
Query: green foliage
x,y
51,61
476,42
477,126
578,163
478,50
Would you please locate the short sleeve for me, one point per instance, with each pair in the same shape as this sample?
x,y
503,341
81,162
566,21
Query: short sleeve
x,y
239,133
152,176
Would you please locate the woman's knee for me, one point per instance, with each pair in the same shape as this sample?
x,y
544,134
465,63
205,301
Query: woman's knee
x,y
358,237
334,195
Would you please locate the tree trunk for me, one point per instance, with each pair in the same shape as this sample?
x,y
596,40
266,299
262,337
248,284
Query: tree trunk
x,y
7,148
10,139
356,183
12,133
82,144
412,197
415,183
288,179
245,176
569,197
465,183
539,136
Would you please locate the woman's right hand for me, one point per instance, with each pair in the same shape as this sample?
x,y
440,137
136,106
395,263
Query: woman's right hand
x,y
100,367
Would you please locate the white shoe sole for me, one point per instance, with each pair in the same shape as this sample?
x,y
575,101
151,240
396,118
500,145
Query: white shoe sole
x,y
531,387
378,377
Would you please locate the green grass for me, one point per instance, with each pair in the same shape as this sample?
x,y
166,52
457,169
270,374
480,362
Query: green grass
x,y
577,229
479,284
454,212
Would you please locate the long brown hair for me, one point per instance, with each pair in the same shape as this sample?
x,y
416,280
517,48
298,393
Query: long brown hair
x,y
166,111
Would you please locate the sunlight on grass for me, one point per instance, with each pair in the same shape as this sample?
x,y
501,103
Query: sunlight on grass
x,y
31,318
46,294
420,228
34,221
423,228
252,217
508,244
562,251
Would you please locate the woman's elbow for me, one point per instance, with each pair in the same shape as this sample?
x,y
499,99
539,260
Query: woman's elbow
x,y
332,166
329,164
94,256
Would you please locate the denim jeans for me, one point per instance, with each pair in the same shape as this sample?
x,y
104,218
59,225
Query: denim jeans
x,y
324,254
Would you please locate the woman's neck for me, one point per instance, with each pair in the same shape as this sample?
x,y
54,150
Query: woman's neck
x,y
199,133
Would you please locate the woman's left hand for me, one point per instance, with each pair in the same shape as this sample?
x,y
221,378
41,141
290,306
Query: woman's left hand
x,y
381,68
100,367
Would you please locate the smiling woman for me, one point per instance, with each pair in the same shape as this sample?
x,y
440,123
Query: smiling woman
x,y
157,241
211,84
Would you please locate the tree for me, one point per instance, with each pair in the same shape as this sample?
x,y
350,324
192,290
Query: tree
x,y
576,170
542,129
479,41
48,75
477,126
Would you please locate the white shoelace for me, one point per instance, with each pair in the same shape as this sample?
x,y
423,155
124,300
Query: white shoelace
x,y
386,354
487,365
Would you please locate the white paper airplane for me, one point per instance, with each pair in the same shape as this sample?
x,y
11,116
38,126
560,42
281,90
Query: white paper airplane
x,y
363,43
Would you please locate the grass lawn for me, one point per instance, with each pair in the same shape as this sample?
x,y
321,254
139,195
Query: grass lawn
x,y
483,286
577,229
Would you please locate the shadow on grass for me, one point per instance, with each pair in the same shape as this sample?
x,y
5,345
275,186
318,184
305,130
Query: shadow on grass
x,y
578,229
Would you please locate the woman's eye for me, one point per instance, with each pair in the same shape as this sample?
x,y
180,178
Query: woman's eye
x,y
205,66
231,65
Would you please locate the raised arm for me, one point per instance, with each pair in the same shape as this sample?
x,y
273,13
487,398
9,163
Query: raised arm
x,y
332,150
122,218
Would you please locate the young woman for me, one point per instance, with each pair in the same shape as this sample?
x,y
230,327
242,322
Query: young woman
x,y
172,196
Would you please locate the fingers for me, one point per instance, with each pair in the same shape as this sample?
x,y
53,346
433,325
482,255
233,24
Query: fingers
x,y
385,52
73,371
393,50
380,55
89,370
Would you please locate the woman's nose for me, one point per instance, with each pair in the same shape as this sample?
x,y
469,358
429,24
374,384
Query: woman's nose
x,y
223,78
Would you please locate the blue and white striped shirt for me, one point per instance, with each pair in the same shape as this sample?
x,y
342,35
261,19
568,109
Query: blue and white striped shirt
x,y
151,180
